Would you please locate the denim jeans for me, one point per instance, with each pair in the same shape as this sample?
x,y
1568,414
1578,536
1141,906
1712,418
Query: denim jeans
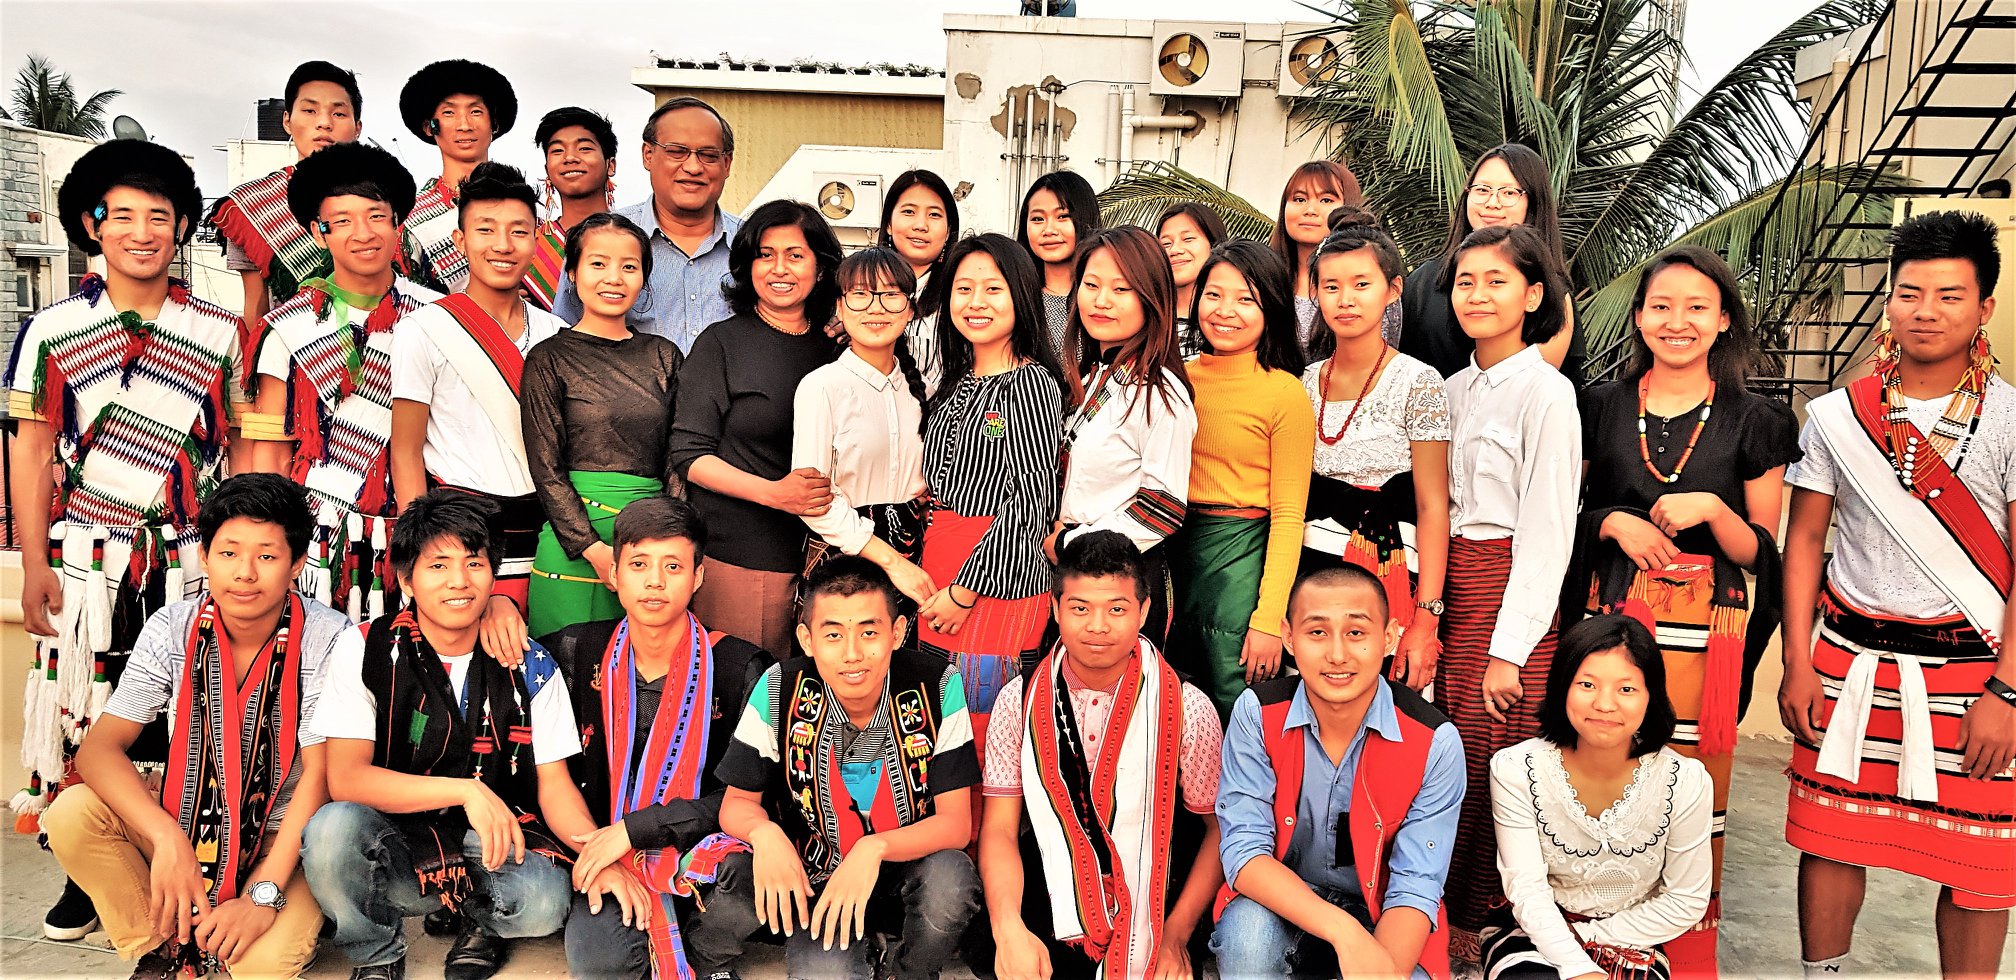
x,y
922,905
1252,942
601,947
362,876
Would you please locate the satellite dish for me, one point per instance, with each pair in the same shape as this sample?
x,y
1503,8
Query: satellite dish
x,y
1183,59
128,128
836,200
1312,59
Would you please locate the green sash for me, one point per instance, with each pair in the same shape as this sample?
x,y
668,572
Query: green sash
x,y
565,591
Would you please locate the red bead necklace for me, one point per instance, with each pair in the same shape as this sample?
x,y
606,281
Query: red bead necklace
x,y
1645,452
1323,388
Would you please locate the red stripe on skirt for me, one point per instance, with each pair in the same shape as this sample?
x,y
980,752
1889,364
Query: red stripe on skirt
x,y
1966,841
1474,591
998,635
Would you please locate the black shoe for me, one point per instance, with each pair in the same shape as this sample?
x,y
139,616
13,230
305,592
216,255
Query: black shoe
x,y
155,965
395,970
476,955
72,917
442,922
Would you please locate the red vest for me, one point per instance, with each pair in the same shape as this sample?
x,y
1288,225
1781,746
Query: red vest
x,y
1382,791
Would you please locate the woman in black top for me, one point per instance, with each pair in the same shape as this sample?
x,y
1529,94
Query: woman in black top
x,y
1509,185
597,406
731,436
1684,478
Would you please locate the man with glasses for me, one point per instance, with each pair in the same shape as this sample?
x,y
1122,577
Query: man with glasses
x,y
688,151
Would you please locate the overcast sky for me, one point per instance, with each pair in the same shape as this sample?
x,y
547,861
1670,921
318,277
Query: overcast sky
x,y
193,71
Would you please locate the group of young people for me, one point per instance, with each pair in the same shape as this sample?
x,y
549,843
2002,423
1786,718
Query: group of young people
x,y
1087,602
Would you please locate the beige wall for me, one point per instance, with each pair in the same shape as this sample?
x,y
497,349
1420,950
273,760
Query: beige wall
x,y
770,126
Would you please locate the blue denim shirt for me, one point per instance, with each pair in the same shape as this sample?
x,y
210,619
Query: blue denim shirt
x,y
683,295
1421,846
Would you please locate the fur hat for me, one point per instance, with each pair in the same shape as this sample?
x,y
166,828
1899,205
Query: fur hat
x,y
121,162
429,86
344,165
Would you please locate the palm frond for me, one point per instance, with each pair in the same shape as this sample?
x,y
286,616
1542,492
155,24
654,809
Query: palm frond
x,y
1753,235
1742,133
45,98
1149,187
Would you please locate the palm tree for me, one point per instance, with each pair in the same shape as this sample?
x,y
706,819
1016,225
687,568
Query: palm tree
x,y
45,99
1426,87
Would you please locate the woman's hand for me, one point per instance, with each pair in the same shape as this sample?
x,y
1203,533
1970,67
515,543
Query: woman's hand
x,y
911,580
1260,655
803,491
1644,543
603,558
1676,512
944,612
1502,692
1420,649
502,632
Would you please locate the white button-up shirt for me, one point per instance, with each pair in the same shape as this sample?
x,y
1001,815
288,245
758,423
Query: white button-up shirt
x,y
1130,462
859,427
1514,471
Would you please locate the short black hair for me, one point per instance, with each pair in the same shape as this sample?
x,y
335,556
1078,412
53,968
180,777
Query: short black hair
x,y
443,513
848,575
267,497
322,71
1948,235
1528,251
1601,634
594,122
740,286
1338,576
690,102
571,251
493,181
660,518
1100,554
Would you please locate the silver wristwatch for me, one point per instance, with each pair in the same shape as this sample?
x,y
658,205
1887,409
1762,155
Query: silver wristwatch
x,y
267,895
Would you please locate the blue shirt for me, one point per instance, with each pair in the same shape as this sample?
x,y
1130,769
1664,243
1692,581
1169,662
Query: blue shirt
x,y
1419,861
683,295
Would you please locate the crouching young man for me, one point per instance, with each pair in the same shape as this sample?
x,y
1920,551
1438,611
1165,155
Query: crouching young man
x,y
1338,802
657,697
204,875
440,758
1101,743
865,752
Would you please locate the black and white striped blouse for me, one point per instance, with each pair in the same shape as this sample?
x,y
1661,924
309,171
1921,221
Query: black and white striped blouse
x,y
991,449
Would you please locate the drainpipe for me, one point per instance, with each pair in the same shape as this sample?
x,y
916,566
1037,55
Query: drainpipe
x,y
1844,60
1125,134
1112,160
1134,122
1051,144
1028,133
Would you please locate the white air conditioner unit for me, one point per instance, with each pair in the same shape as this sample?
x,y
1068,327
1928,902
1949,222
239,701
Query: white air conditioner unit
x,y
849,200
1192,58
1310,53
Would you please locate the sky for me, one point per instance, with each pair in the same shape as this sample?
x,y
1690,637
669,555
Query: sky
x,y
192,72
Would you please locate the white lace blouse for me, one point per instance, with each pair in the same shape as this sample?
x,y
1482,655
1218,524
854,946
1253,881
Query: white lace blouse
x,y
1641,869
1407,405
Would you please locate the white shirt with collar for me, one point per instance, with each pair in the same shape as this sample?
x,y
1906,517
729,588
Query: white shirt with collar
x,y
859,427
1514,472
1130,462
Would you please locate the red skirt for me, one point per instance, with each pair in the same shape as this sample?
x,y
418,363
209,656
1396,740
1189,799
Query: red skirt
x,y
1474,591
999,635
1966,840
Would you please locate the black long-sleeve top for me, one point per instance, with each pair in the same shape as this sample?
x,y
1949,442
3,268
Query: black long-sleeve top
x,y
735,399
738,664
600,405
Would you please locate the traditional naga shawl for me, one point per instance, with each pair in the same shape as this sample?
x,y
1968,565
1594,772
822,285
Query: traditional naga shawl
x,y
549,259
1105,842
140,412
819,812
339,406
672,766
239,748
424,730
434,260
255,217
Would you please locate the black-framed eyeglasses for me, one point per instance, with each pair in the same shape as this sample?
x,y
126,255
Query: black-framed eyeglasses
x,y
892,301
677,153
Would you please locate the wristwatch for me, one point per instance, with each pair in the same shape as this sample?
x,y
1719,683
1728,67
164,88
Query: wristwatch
x,y
267,895
1434,606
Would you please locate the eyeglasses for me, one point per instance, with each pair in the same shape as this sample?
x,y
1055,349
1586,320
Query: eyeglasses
x,y
677,153
859,300
1504,195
